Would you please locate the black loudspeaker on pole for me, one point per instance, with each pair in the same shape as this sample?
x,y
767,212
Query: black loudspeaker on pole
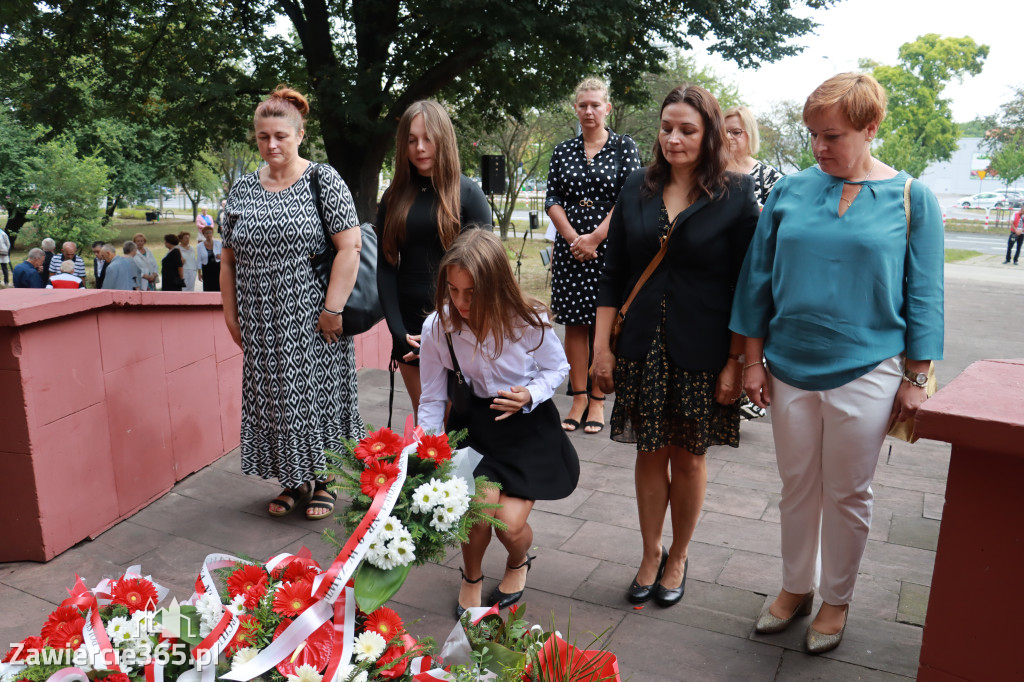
x,y
492,173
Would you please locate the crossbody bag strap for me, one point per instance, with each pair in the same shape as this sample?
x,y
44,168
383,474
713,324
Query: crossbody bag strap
x,y
651,267
455,359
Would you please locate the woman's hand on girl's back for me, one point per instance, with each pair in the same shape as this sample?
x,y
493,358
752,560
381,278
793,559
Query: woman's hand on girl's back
x,y
511,401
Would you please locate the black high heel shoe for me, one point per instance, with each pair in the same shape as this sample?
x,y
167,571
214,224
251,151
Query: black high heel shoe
x,y
459,609
504,600
664,596
637,593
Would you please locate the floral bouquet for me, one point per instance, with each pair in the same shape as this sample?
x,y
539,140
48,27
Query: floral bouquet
x,y
484,646
108,632
438,504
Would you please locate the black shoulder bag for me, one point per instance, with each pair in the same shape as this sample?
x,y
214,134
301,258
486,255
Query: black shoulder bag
x,y
459,392
363,309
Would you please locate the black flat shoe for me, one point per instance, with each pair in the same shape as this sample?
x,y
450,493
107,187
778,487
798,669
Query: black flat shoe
x,y
637,593
664,596
503,599
459,608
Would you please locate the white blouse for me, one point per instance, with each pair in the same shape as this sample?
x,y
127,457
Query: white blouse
x,y
204,253
541,371
188,257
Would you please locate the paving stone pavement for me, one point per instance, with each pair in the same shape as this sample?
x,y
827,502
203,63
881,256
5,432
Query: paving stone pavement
x,y
588,550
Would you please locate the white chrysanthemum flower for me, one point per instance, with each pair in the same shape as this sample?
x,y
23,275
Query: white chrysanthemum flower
x,y
458,486
243,656
305,673
390,526
210,609
369,646
423,499
381,560
237,605
119,629
402,553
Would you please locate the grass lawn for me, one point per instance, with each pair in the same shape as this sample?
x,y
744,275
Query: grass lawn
x,y
955,255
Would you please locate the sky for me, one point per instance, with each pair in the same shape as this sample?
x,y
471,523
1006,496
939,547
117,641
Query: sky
x,y
875,29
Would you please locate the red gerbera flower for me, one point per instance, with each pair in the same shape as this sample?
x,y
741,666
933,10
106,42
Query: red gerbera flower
x,y
380,443
67,634
243,635
393,653
298,569
435,448
29,646
138,594
117,677
315,651
250,582
376,476
63,614
386,623
291,599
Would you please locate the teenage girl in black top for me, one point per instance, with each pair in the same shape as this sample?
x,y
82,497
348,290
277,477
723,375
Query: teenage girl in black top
x,y
427,205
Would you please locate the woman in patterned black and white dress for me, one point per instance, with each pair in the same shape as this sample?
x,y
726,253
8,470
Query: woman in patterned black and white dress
x,y
584,180
299,376
745,141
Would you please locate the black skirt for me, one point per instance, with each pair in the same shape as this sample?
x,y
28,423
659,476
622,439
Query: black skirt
x,y
527,453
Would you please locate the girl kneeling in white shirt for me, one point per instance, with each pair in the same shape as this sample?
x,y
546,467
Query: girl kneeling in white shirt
x,y
491,350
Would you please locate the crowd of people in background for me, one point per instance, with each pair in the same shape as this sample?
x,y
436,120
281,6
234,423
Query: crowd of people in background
x,y
128,267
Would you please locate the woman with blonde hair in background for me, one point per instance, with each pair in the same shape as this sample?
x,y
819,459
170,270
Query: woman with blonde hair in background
x,y
744,142
427,205
584,180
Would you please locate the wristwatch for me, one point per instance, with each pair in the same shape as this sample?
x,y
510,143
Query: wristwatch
x,y
919,379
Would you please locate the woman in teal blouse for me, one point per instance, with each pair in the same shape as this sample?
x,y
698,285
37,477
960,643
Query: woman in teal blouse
x,y
846,313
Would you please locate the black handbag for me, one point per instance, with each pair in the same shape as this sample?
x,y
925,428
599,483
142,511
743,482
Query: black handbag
x,y
459,392
362,310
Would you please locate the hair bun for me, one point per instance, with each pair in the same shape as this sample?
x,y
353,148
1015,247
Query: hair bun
x,y
294,97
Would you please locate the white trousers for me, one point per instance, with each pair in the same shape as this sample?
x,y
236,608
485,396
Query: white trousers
x,y
827,445
190,279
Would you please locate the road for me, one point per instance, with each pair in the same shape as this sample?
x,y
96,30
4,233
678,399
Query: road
x,y
988,244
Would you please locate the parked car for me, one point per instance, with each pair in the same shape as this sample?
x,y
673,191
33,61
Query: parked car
x,y
982,200
1011,199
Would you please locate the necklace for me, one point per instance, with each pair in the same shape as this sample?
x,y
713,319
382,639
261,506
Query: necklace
x,y
870,170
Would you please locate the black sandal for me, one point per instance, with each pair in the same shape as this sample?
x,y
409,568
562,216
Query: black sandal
x,y
459,608
590,424
289,499
572,422
321,502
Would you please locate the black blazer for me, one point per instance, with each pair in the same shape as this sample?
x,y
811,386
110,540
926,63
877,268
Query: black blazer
x,y
696,278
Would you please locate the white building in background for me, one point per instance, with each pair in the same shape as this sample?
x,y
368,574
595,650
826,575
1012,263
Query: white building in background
x,y
959,174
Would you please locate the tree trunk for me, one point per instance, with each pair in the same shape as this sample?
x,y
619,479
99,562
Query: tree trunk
x,y
17,216
359,164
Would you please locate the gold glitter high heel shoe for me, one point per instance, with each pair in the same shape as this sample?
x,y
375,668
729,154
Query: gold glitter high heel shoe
x,y
818,643
768,623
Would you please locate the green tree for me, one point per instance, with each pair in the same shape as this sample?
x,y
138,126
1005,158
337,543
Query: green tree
x,y
1007,159
979,126
637,112
17,149
199,179
196,65
785,143
919,128
70,189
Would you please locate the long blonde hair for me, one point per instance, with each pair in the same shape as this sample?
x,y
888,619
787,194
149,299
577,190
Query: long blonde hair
x,y
499,307
446,178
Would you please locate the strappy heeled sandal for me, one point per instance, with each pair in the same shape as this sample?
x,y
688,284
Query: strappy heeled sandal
x,y
459,608
574,423
504,599
598,426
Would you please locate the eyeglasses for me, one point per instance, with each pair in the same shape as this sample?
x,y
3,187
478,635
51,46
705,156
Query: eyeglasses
x,y
736,132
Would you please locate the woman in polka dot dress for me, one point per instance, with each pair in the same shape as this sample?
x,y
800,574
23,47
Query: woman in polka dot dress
x,y
584,180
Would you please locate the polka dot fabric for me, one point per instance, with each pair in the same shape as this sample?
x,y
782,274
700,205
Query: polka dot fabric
x,y
586,191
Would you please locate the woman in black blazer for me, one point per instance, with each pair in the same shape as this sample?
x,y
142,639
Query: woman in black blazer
x,y
678,371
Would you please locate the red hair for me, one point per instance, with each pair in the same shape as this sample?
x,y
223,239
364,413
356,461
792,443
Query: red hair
x,y
284,102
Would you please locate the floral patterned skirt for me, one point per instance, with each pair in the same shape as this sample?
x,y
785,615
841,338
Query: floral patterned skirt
x,y
657,404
